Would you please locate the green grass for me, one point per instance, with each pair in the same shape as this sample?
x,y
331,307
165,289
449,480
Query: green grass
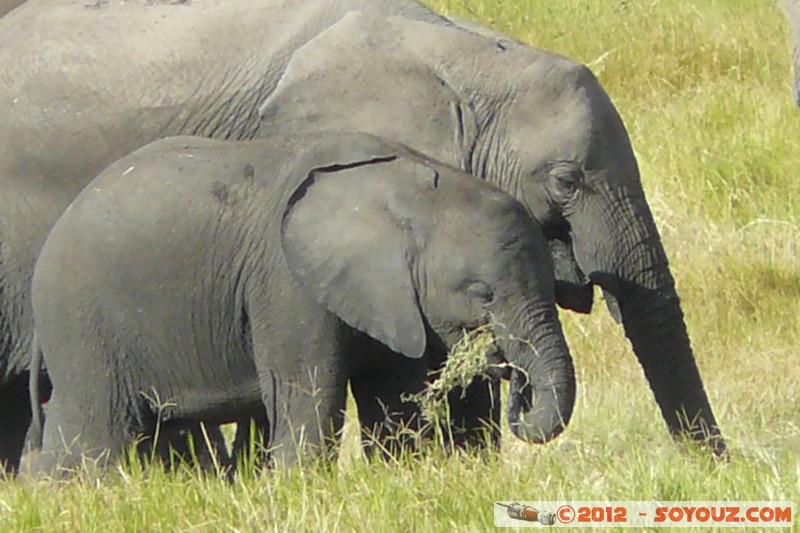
x,y
704,89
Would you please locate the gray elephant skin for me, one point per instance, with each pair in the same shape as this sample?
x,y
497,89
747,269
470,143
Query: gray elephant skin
x,y
791,9
86,84
8,5
227,277
72,105
540,127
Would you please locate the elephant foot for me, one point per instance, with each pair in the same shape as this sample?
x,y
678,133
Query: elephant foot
x,y
15,418
196,445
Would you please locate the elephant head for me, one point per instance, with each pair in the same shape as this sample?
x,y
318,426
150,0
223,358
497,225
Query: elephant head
x,y
581,181
405,100
540,127
405,249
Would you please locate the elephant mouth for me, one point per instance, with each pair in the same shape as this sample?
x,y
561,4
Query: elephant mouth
x,y
499,366
574,296
611,288
495,366
574,290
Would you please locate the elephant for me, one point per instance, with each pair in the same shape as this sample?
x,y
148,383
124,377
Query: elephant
x,y
232,278
792,10
8,5
73,104
538,126
84,84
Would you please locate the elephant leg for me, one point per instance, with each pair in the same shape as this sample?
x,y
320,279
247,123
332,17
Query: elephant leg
x,y
200,443
475,415
78,433
251,441
302,373
380,383
15,418
306,416
212,450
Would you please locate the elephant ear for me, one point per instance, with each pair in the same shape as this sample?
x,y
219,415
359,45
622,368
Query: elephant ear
x,y
378,85
349,239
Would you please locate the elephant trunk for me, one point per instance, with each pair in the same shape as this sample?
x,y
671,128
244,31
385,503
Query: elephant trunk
x,y
542,392
654,324
634,273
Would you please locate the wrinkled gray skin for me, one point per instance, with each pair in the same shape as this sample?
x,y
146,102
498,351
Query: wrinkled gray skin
x,y
207,445
792,10
228,278
15,391
85,83
195,444
83,86
535,124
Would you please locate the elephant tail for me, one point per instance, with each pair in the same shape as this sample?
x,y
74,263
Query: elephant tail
x,y
36,431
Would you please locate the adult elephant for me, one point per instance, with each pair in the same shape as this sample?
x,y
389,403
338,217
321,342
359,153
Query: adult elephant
x,y
286,259
535,124
84,84
8,5
792,10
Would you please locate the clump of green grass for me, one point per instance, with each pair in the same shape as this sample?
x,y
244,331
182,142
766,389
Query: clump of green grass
x,y
469,358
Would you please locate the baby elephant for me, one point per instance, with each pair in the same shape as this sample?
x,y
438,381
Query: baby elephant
x,y
206,280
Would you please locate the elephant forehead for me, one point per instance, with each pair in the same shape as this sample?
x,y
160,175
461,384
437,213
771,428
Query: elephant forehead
x,y
494,232
466,258
473,234
563,113
561,131
481,208
379,87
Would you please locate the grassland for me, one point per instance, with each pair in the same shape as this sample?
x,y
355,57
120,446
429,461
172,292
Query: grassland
x,y
703,87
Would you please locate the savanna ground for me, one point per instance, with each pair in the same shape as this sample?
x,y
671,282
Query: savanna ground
x,y
703,87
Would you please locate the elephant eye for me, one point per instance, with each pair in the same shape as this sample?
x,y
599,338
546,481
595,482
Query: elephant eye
x,y
567,183
565,179
481,291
